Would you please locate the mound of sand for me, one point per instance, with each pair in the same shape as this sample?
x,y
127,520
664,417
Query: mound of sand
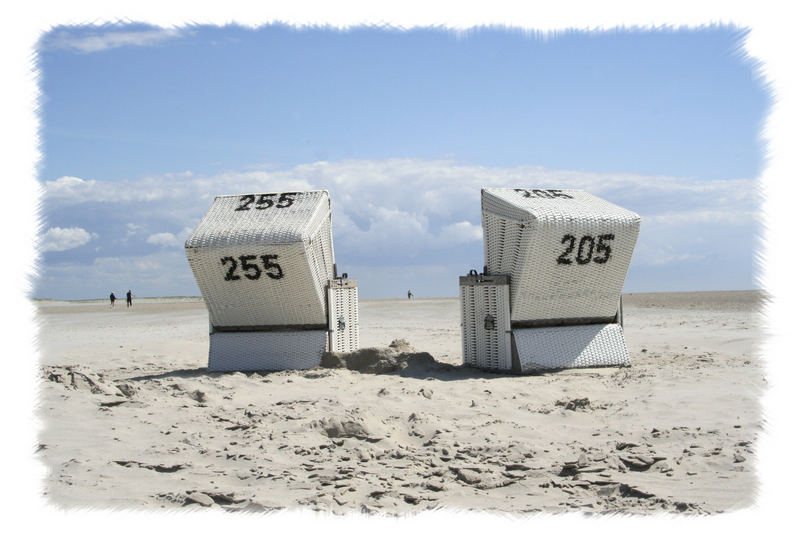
x,y
398,356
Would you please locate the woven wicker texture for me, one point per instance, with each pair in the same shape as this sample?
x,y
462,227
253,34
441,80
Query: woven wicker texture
x,y
567,251
343,313
264,259
273,350
485,323
570,347
233,219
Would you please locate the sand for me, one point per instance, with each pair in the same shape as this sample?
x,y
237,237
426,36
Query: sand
x,y
132,420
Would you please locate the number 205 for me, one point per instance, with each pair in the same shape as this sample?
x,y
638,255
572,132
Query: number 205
x,y
589,249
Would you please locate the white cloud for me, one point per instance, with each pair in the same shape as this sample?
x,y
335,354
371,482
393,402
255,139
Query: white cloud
x,y
731,218
650,255
60,239
133,229
461,232
72,190
98,41
164,239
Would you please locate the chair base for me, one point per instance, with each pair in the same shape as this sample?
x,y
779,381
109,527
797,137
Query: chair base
x,y
550,348
491,341
266,350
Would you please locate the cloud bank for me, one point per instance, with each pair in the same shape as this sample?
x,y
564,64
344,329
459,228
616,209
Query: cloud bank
x,y
397,221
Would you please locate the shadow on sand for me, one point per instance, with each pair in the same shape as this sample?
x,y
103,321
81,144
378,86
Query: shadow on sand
x,y
369,361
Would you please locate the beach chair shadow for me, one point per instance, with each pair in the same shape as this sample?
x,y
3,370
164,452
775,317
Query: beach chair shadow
x,y
181,373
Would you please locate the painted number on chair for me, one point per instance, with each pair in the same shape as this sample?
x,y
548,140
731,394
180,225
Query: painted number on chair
x,y
250,267
589,249
543,193
265,201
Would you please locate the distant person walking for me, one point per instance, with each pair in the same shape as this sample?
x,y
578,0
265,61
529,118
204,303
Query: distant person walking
x,y
410,294
113,299
129,298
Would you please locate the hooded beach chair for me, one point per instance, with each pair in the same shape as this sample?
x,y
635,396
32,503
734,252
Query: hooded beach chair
x,y
550,293
264,264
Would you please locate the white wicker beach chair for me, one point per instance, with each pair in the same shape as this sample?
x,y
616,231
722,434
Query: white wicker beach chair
x,y
264,264
566,254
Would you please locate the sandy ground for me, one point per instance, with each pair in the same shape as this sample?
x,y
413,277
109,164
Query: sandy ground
x,y
133,420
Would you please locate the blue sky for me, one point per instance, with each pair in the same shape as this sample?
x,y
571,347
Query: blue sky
x,y
142,127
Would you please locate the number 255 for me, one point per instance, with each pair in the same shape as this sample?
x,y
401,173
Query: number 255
x,y
252,270
265,201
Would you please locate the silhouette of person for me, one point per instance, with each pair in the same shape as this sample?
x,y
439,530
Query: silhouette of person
x,y
129,298
409,294
113,299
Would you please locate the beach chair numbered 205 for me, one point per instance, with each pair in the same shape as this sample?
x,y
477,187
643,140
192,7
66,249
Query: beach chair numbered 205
x,y
555,264
264,264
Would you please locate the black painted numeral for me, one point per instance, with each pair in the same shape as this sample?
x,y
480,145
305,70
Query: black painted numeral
x,y
584,255
269,265
563,259
589,249
247,267
265,201
245,201
603,248
230,276
286,199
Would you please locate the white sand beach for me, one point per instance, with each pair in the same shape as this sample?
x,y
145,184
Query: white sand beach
x,y
133,420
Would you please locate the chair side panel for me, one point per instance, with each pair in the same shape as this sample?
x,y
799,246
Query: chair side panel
x,y
485,326
343,313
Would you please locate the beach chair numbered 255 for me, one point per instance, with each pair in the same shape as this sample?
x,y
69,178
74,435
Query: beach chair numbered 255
x,y
265,266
